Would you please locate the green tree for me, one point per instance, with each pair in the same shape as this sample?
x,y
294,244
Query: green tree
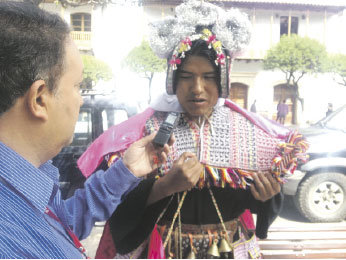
x,y
142,60
94,70
337,65
296,56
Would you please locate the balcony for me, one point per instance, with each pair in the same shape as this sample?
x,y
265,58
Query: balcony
x,y
82,39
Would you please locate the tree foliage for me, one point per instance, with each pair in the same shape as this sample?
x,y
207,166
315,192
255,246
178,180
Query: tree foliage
x,y
143,60
94,70
296,56
337,65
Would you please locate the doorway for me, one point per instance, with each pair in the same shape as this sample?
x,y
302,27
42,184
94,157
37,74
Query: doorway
x,y
284,92
238,94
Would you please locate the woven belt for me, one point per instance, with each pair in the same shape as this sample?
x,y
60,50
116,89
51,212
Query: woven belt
x,y
202,237
203,229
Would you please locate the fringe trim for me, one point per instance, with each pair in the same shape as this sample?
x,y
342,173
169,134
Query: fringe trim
x,y
220,177
112,158
290,154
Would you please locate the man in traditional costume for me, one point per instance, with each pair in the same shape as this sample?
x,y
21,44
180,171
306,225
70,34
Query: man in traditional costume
x,y
245,157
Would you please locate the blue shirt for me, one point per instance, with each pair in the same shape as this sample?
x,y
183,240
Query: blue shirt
x,y
25,192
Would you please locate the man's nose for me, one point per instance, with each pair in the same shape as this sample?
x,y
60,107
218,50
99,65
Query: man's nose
x,y
198,85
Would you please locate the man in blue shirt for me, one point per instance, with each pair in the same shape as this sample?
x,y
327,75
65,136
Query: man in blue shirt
x,y
40,74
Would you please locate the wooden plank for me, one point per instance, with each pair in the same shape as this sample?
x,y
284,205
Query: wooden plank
x,y
331,228
317,254
302,245
305,235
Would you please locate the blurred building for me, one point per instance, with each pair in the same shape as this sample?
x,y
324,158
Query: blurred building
x,y
112,31
318,19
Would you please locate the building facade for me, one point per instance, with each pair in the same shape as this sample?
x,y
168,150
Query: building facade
x,y
110,33
321,20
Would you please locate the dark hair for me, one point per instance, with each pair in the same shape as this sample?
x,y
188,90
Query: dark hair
x,y
199,48
32,47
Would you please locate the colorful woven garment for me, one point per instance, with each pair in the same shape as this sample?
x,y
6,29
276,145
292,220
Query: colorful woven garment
x,y
231,148
232,144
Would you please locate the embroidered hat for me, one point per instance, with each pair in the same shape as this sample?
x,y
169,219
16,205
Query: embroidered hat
x,y
226,31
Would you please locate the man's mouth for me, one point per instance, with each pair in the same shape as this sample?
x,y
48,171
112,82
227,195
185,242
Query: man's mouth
x,y
197,100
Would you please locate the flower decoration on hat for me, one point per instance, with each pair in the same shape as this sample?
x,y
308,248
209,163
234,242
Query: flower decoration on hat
x,y
185,45
215,44
175,61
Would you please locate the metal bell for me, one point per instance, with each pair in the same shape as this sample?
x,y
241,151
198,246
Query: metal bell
x,y
191,255
213,250
224,246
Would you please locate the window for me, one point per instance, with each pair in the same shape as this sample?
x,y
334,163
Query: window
x,y
286,24
81,22
112,117
82,132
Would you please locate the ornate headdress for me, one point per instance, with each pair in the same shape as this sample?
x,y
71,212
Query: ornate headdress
x,y
227,32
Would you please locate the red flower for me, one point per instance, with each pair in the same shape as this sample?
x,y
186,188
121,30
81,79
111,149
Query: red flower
x,y
211,38
174,60
187,41
220,58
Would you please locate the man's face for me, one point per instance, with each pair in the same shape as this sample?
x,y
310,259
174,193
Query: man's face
x,y
197,90
67,100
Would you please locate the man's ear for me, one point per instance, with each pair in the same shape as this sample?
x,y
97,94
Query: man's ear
x,y
38,97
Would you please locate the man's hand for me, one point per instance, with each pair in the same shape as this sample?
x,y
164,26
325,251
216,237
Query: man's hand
x,y
142,157
264,186
183,175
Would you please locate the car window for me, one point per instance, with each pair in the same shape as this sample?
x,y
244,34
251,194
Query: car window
x,y
338,120
112,117
82,133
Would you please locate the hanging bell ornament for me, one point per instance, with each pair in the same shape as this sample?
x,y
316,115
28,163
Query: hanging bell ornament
x,y
213,250
191,255
224,246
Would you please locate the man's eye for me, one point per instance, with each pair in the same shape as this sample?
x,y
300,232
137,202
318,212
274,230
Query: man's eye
x,y
185,76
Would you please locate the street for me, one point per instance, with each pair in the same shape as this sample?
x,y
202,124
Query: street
x,y
289,217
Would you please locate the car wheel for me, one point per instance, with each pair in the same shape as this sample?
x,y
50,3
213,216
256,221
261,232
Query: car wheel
x,y
321,197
